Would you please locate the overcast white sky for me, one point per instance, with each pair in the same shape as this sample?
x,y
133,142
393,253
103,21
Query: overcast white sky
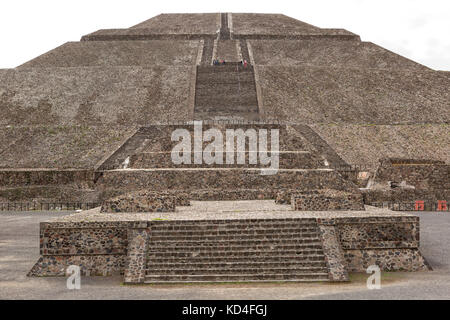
x,y
417,29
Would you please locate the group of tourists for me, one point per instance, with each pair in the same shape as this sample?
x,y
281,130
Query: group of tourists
x,y
218,62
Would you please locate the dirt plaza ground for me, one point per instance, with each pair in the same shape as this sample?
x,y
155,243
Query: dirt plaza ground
x,y
19,250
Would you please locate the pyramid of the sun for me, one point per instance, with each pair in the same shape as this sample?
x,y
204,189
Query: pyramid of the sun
x,y
70,117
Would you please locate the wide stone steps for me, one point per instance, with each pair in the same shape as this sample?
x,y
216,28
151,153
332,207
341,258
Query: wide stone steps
x,y
227,91
295,277
232,67
159,136
300,256
211,90
241,103
241,224
287,160
238,110
235,247
206,270
263,265
227,77
235,251
233,238
235,115
236,225
235,232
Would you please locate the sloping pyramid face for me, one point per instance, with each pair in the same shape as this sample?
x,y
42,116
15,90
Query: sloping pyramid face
x,y
93,104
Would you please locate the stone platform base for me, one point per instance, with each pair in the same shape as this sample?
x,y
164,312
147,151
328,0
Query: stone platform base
x,y
230,241
326,200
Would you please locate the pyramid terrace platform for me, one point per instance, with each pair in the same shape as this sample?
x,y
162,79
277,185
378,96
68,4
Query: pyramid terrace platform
x,y
228,241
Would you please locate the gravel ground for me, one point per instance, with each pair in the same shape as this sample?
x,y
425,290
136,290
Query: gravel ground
x,y
19,250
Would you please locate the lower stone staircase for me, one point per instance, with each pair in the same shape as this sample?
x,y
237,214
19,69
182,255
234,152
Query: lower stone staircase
x,y
235,251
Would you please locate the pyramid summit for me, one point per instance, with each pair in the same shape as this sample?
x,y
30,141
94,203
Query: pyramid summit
x,y
92,122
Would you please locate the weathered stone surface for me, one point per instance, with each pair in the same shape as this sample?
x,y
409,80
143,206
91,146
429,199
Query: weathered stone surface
x,y
138,242
119,53
94,95
186,23
365,144
334,255
386,259
140,202
326,200
310,94
329,53
251,23
59,147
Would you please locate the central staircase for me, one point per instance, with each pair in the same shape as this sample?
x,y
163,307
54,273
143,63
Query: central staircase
x,y
235,250
226,92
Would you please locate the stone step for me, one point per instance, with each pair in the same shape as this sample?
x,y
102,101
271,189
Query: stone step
x,y
159,137
191,179
236,232
212,89
216,92
241,224
237,110
236,245
288,160
225,77
234,116
304,256
230,265
224,109
232,238
224,271
298,277
230,101
218,251
235,67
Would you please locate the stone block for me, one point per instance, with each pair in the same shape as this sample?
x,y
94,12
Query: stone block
x,y
140,202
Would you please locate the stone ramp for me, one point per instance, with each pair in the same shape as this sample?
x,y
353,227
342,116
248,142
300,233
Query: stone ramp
x,y
239,250
132,145
322,147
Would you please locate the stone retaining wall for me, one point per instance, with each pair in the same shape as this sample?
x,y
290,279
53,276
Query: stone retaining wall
x,y
140,202
226,179
420,173
392,243
28,177
326,200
